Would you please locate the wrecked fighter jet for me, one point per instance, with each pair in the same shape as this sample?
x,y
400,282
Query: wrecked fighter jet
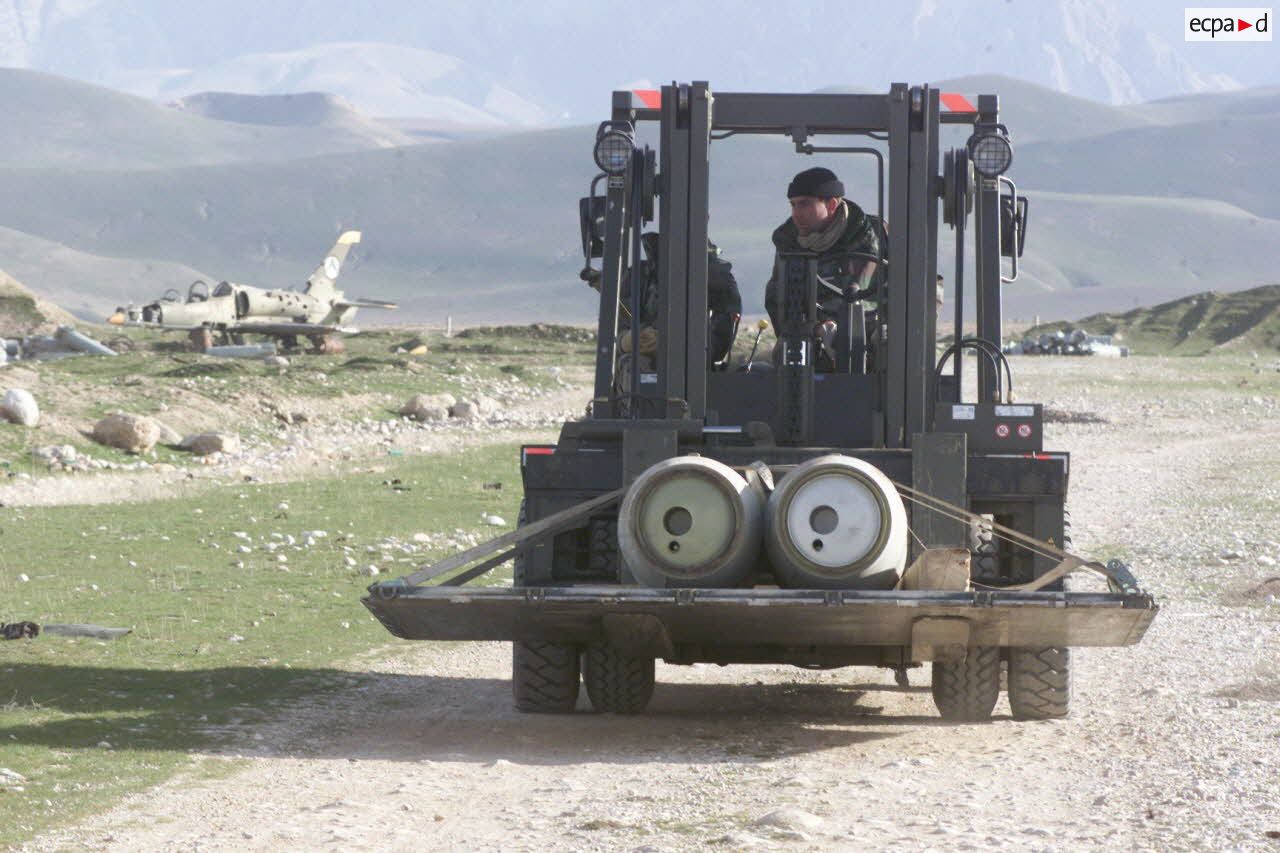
x,y
318,311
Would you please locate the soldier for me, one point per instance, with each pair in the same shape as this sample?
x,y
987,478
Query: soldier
x,y
824,222
724,304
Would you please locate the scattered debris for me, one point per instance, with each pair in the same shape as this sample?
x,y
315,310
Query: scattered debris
x,y
30,630
1062,342
263,351
81,342
96,632
64,342
19,630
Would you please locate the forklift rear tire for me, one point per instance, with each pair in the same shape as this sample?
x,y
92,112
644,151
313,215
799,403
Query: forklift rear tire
x,y
966,692
544,677
1040,683
617,683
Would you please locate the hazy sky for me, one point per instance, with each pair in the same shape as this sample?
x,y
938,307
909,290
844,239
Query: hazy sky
x,y
559,54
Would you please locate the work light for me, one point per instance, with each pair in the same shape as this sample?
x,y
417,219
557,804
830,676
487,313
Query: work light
x,y
990,153
614,146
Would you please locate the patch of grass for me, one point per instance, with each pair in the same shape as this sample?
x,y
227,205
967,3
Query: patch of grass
x,y
220,638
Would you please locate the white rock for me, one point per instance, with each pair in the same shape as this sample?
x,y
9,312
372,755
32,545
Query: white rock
x,y
23,578
788,817
428,407
371,571
208,443
487,405
464,410
20,407
131,433
168,435
495,521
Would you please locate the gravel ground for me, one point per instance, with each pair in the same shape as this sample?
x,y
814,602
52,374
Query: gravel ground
x,y
1172,745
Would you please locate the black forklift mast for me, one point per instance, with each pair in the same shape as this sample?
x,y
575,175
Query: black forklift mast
x,y
908,120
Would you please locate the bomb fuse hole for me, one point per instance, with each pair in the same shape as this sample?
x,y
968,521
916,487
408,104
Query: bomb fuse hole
x,y
677,521
823,520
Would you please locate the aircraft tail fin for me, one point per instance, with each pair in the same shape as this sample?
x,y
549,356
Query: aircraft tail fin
x,y
321,282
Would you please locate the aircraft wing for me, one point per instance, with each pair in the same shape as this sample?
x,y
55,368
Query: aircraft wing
x,y
284,328
363,303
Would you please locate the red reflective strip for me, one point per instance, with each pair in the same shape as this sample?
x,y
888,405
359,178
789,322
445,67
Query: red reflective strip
x,y
539,451
651,98
957,103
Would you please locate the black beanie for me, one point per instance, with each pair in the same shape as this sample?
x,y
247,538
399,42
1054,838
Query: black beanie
x,y
818,182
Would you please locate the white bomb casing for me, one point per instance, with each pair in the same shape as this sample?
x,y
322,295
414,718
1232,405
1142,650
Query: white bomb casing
x,y
836,522
691,522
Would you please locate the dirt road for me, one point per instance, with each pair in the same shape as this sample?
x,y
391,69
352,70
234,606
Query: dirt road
x,y
1172,745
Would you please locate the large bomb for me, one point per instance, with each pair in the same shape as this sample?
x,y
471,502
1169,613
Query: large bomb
x,y
836,522
691,522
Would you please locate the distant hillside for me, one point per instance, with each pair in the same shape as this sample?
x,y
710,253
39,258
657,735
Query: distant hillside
x,y
54,122
1040,114
1227,157
487,229
318,110
89,285
1193,325
383,79
22,312
127,199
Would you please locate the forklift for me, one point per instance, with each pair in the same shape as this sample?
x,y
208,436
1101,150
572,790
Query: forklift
x,y
841,502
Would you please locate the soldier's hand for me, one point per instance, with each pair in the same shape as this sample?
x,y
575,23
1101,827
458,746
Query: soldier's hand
x,y
852,294
648,341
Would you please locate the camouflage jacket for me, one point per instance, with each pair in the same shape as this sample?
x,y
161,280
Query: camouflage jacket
x,y
862,234
723,297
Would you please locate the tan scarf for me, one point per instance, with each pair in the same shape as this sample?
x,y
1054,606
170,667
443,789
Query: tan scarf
x,y
820,241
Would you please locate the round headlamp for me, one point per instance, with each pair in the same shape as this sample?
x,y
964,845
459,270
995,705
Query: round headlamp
x,y
991,154
613,150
